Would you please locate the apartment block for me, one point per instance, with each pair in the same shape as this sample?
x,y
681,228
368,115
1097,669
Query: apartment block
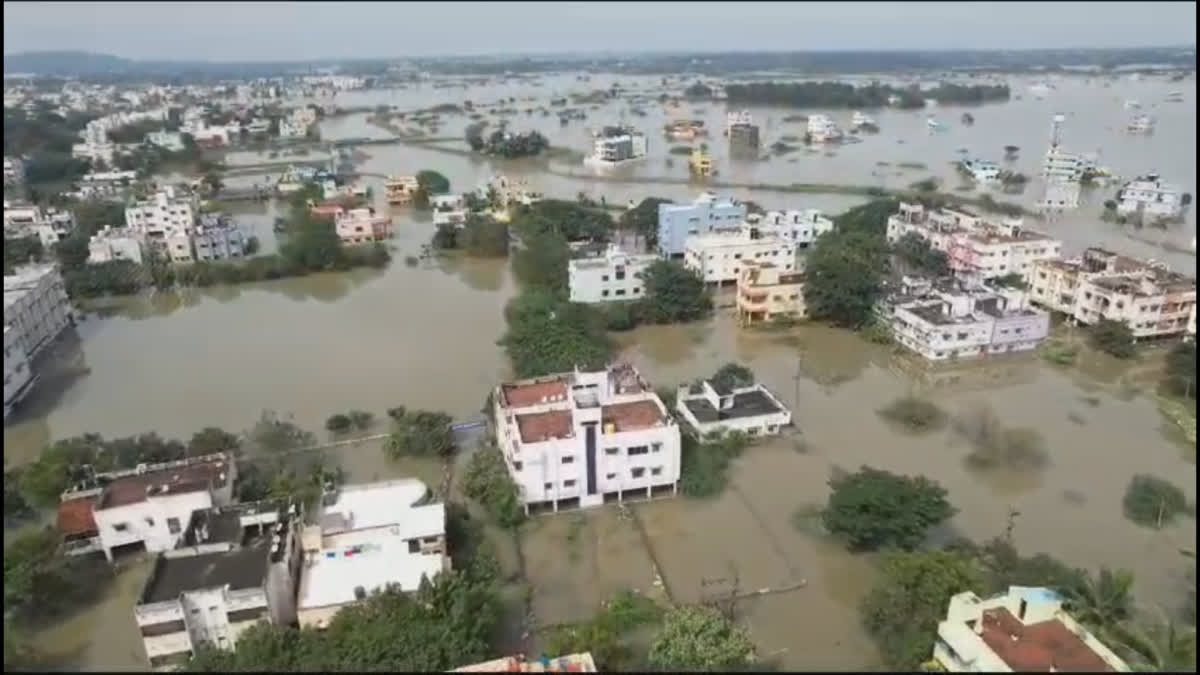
x,y
216,237
49,225
1150,197
361,226
677,222
114,244
1147,296
977,250
18,374
608,275
35,307
148,507
614,145
712,407
581,439
449,210
719,258
950,319
1023,630
400,190
165,223
14,171
798,227
766,292
369,537
233,569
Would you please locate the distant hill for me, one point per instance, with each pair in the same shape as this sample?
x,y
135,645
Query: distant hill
x,y
65,63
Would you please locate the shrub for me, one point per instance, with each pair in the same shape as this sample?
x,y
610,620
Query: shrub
x,y
1153,502
487,482
995,447
338,423
915,414
1113,337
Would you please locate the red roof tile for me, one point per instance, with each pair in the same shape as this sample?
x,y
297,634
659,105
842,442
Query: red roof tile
x,y
523,395
194,478
75,517
1037,647
631,416
537,427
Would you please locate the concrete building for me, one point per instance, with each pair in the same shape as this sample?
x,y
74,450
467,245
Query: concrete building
x,y
981,171
766,292
719,258
798,227
616,145
1148,197
701,164
216,237
50,225
976,250
149,507
710,407
114,244
399,190
18,374
449,210
611,275
171,141
948,319
36,307
361,226
582,439
822,129
677,222
14,171
165,224
1023,630
367,538
1151,299
234,568
571,663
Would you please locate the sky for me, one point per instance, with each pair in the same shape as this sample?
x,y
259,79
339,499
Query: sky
x,y
283,31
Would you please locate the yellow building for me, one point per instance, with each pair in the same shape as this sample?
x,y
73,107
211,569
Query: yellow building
x,y
400,189
765,292
701,163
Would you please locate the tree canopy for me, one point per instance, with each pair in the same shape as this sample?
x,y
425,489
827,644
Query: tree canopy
x,y
844,277
419,433
732,376
488,482
433,182
1113,337
875,509
917,256
673,294
642,220
548,335
700,638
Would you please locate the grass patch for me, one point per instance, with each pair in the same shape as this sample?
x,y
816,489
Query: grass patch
x,y
914,414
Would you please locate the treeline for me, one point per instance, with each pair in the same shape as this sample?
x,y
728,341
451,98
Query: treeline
x,y
502,143
874,95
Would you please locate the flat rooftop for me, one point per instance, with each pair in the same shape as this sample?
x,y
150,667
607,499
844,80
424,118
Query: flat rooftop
x,y
632,416
538,427
1038,647
522,395
384,504
191,478
362,560
240,568
572,663
745,404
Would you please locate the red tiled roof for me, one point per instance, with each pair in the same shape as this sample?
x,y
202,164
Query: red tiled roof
x,y
522,395
75,516
1038,647
537,427
631,416
194,478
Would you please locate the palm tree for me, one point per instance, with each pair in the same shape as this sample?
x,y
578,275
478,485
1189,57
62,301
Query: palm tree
x,y
1103,601
1160,644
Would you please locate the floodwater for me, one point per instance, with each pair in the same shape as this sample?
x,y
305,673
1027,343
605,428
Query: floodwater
x,y
425,336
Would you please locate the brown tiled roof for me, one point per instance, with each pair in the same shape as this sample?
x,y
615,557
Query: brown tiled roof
x,y
537,427
194,478
631,416
75,516
1038,647
522,395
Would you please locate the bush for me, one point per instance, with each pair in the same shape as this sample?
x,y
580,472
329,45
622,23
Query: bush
x,y
419,433
1153,502
705,463
1060,353
914,414
1180,376
732,376
433,182
1113,337
874,509
337,423
487,481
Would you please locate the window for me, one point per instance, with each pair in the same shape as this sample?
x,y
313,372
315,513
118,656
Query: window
x,y
620,275
611,451
638,472
656,447
173,525
604,277
610,476
414,546
604,294
547,486
621,291
517,466
638,450
149,522
636,291
569,483
656,471
121,527
568,459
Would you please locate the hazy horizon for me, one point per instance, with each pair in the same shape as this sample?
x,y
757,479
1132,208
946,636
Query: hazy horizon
x,y
312,31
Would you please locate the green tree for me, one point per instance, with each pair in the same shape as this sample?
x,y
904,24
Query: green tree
x,y
21,250
1157,643
1180,375
272,434
642,221
433,182
918,257
1153,502
700,638
732,376
844,277
1103,601
542,261
549,335
482,236
705,463
16,507
875,509
673,294
1113,337
902,610
488,482
337,423
211,440
419,433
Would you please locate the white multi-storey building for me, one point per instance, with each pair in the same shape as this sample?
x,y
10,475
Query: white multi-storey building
x,y
677,222
36,307
1146,296
360,226
798,227
165,222
1023,630
115,243
719,258
1149,197
234,568
367,538
713,407
609,276
981,171
581,439
614,145
950,320
821,129
976,250
18,374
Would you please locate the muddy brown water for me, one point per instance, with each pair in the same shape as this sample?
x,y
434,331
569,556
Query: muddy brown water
x,y
425,336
